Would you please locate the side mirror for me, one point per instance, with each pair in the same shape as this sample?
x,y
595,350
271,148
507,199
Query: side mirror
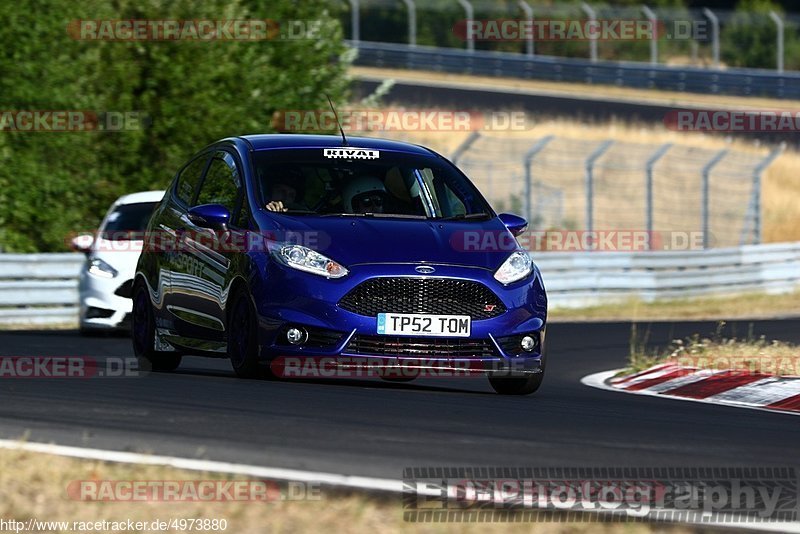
x,y
515,224
82,243
213,216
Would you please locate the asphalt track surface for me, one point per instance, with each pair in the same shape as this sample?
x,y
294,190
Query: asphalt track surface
x,y
373,428
541,106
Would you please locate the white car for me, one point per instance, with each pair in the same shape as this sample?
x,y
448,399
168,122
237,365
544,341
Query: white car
x,y
111,256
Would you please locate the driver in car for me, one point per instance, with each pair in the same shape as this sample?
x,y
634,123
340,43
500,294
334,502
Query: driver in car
x,y
366,194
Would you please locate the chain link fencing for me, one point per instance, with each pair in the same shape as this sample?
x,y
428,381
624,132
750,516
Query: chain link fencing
x,y
572,184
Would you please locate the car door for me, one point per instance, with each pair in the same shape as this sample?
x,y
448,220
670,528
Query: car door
x,y
200,296
165,239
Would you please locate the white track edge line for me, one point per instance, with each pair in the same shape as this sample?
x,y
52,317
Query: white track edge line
x,y
210,466
295,475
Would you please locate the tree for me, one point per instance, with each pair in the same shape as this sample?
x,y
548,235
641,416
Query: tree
x,y
190,92
749,37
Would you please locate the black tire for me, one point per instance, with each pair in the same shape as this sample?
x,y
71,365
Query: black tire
x,y
143,335
397,379
513,385
92,332
519,384
243,337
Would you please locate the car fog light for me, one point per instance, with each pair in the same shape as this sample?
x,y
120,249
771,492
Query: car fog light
x,y
296,336
528,343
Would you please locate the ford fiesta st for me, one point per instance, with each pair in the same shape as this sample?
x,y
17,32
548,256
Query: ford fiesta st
x,y
308,246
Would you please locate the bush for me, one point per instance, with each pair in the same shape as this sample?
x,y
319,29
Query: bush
x,y
749,38
53,184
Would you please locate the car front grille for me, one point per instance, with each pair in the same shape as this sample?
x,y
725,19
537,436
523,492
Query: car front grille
x,y
421,347
440,296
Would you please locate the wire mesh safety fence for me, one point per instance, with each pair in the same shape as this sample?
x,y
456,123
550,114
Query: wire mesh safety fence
x,y
573,184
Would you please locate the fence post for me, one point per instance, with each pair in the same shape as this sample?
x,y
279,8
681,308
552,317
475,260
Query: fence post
x,y
706,176
529,47
470,15
651,162
654,41
758,172
593,19
355,22
464,146
412,22
779,53
537,147
599,151
714,35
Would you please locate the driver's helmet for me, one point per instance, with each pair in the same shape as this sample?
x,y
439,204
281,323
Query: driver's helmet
x,y
361,186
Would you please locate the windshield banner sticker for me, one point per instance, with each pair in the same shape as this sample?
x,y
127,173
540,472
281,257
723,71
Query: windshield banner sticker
x,y
351,152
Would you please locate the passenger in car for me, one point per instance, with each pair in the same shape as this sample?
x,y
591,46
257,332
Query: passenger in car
x,y
286,193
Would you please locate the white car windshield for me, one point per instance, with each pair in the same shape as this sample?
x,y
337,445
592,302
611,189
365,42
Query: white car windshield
x,y
127,222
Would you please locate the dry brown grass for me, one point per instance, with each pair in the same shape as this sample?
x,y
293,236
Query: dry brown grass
x,y
584,90
781,181
34,485
781,186
758,356
749,306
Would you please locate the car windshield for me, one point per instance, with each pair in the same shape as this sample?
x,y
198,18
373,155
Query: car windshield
x,y
127,222
365,182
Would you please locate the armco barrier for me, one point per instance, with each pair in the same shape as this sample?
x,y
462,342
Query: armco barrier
x,y
733,81
40,289
591,278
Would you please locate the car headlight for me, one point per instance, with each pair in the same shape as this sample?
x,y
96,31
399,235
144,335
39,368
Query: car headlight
x,y
310,261
100,268
516,267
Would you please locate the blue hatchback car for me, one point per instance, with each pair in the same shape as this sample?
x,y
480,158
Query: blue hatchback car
x,y
267,247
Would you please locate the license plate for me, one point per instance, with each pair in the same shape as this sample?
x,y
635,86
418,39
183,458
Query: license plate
x,y
424,325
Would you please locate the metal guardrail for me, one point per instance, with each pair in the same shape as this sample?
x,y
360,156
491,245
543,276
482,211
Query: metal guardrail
x,y
734,81
41,289
592,278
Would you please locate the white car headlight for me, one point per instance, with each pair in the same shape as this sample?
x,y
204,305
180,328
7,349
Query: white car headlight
x,y
516,267
100,268
310,261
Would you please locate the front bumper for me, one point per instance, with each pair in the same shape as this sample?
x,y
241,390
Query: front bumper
x,y
290,298
101,307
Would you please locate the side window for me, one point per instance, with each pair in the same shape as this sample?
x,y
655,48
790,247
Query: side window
x,y
189,178
221,184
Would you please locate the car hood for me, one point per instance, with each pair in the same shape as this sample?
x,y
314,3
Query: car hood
x,y
360,240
